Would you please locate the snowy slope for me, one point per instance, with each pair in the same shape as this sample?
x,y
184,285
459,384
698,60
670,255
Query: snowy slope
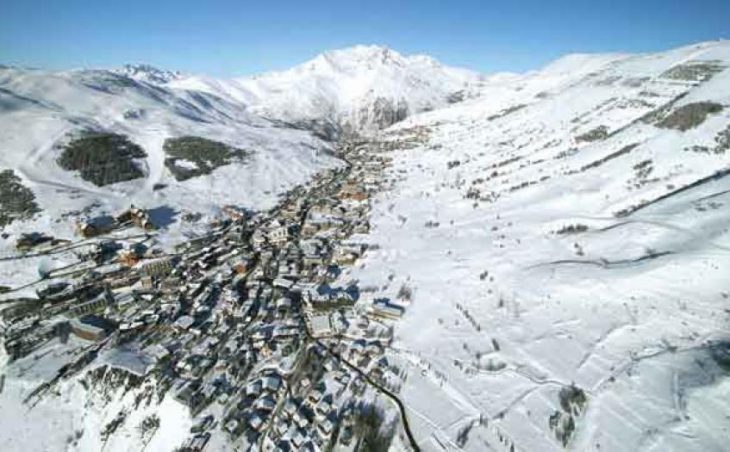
x,y
511,304
73,421
555,229
278,117
41,110
359,89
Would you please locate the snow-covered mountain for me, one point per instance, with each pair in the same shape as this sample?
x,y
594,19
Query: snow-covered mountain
x,y
148,73
284,122
568,229
562,234
43,111
356,90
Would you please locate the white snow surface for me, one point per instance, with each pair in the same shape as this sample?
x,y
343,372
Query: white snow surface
x,y
624,310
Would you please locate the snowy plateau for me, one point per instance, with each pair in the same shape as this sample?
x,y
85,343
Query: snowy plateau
x,y
368,245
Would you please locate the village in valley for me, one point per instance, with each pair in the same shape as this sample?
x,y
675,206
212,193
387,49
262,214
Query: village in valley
x,y
248,326
369,251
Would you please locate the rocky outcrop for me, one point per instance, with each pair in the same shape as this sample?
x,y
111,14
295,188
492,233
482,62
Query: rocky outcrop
x,y
374,115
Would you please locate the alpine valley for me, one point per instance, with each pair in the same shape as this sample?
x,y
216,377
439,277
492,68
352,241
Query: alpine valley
x,y
369,251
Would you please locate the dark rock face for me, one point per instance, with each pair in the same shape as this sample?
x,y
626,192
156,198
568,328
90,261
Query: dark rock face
x,y
386,112
190,156
376,115
103,158
325,129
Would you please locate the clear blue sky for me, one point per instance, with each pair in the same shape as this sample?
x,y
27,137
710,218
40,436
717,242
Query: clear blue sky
x,y
228,38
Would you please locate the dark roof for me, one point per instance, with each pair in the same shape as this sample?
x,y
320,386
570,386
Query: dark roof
x,y
98,322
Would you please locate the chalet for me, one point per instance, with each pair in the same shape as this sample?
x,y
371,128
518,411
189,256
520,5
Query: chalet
x,y
323,407
358,347
271,382
301,420
30,240
259,272
55,291
157,351
202,424
291,210
209,391
281,427
256,422
128,258
383,308
235,213
374,348
96,226
138,217
313,260
315,294
284,303
325,208
265,404
317,223
184,322
311,246
124,299
298,439
289,408
111,270
326,426
315,395
254,388
346,255
130,326
171,285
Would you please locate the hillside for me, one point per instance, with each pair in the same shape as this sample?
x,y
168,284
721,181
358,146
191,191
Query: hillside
x,y
47,115
283,123
517,262
566,228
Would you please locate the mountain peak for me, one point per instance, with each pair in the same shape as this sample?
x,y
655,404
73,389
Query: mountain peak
x,y
368,57
362,88
365,53
147,73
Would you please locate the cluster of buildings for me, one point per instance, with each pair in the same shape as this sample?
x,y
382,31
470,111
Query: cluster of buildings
x,y
246,326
